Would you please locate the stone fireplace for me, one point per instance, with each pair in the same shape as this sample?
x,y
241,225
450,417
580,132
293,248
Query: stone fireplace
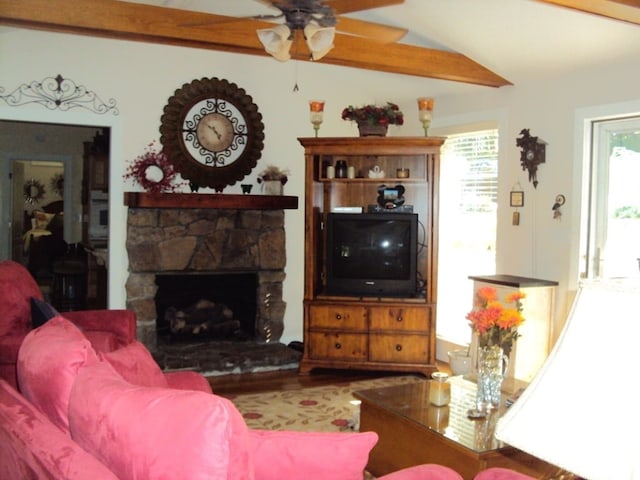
x,y
168,234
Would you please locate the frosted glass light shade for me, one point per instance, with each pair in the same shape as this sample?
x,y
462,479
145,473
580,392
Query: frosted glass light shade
x,y
276,41
580,411
319,40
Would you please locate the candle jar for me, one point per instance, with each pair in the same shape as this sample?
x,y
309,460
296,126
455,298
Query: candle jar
x,y
439,389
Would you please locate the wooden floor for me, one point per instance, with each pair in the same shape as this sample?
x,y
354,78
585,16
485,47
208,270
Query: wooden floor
x,y
291,380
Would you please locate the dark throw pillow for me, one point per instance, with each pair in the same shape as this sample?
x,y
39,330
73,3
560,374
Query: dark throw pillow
x,y
41,312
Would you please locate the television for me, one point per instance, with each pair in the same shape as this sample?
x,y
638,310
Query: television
x,y
371,254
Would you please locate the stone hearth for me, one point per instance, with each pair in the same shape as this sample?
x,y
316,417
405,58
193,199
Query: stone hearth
x,y
202,240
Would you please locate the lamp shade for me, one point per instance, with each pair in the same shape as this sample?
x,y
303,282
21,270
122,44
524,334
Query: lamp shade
x,y
319,40
580,411
276,41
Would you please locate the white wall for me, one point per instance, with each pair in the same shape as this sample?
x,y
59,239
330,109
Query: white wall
x,y
540,246
141,77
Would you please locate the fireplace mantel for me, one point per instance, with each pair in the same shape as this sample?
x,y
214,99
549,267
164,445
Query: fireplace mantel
x,y
209,200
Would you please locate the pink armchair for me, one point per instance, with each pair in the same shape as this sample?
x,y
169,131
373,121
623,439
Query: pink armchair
x,y
105,329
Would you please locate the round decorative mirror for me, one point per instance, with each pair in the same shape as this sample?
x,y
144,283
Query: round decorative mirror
x,y
33,191
57,184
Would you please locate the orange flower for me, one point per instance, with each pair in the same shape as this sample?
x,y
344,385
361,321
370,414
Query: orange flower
x,y
515,297
495,324
485,295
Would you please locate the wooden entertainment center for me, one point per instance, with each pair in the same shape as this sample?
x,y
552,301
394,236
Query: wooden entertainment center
x,y
370,333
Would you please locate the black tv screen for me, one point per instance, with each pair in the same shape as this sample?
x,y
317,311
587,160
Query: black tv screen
x,y
372,254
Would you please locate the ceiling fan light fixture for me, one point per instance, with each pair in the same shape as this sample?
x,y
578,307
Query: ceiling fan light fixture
x,y
276,41
319,40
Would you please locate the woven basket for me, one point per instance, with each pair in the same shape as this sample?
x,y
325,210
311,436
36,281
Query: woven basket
x,y
369,130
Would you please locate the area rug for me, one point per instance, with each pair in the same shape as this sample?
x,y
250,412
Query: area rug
x,y
330,408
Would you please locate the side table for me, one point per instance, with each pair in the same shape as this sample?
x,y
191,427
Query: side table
x,y
413,432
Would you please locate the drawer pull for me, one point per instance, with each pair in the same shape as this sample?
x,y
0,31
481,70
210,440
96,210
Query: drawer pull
x,y
338,346
398,348
399,318
338,316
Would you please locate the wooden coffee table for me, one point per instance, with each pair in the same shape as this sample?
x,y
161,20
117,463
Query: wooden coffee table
x,y
413,432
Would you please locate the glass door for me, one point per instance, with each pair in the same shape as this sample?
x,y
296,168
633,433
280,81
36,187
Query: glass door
x,y
613,246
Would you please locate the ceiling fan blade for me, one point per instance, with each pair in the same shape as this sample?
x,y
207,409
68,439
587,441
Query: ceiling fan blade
x,y
349,6
375,31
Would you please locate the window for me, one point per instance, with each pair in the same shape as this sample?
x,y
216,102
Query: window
x,y
467,230
612,246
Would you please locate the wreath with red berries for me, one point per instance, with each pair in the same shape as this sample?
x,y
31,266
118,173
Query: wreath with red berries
x,y
153,171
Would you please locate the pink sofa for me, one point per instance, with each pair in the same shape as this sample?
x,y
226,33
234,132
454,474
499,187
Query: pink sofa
x,y
113,414
106,329
501,474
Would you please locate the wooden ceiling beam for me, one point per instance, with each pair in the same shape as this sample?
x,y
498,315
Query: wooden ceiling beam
x,y
139,22
625,10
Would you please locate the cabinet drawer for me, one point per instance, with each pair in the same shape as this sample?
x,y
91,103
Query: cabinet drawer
x,y
344,346
399,348
401,318
338,316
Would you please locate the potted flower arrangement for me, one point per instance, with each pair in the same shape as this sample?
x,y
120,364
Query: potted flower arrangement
x,y
374,119
273,179
497,329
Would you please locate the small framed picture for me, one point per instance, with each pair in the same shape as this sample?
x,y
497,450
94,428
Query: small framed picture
x,y
517,199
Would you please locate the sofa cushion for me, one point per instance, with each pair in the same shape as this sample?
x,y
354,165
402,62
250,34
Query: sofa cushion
x,y
31,447
48,362
136,365
171,434
102,341
42,219
41,312
16,287
312,456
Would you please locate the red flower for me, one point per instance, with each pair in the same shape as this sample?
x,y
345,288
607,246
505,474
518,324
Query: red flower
x,y
388,114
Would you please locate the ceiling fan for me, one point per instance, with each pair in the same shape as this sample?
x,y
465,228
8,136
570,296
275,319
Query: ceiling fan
x,y
319,21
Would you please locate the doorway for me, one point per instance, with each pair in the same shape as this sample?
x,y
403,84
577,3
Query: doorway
x,y
42,168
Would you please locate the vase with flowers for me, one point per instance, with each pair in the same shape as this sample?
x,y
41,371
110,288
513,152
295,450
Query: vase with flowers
x,y
374,120
273,179
496,326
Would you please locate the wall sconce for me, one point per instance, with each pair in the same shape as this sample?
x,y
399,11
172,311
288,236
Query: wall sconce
x,y
316,112
425,113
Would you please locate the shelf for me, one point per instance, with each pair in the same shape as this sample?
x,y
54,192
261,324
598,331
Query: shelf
x,y
373,180
210,200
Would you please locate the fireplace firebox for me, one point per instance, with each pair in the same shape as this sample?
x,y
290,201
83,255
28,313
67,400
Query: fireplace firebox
x,y
206,306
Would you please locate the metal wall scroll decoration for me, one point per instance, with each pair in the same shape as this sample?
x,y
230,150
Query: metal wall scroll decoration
x,y
58,93
532,155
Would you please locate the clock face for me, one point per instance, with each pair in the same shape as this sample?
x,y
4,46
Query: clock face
x,y
212,132
215,132
530,155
